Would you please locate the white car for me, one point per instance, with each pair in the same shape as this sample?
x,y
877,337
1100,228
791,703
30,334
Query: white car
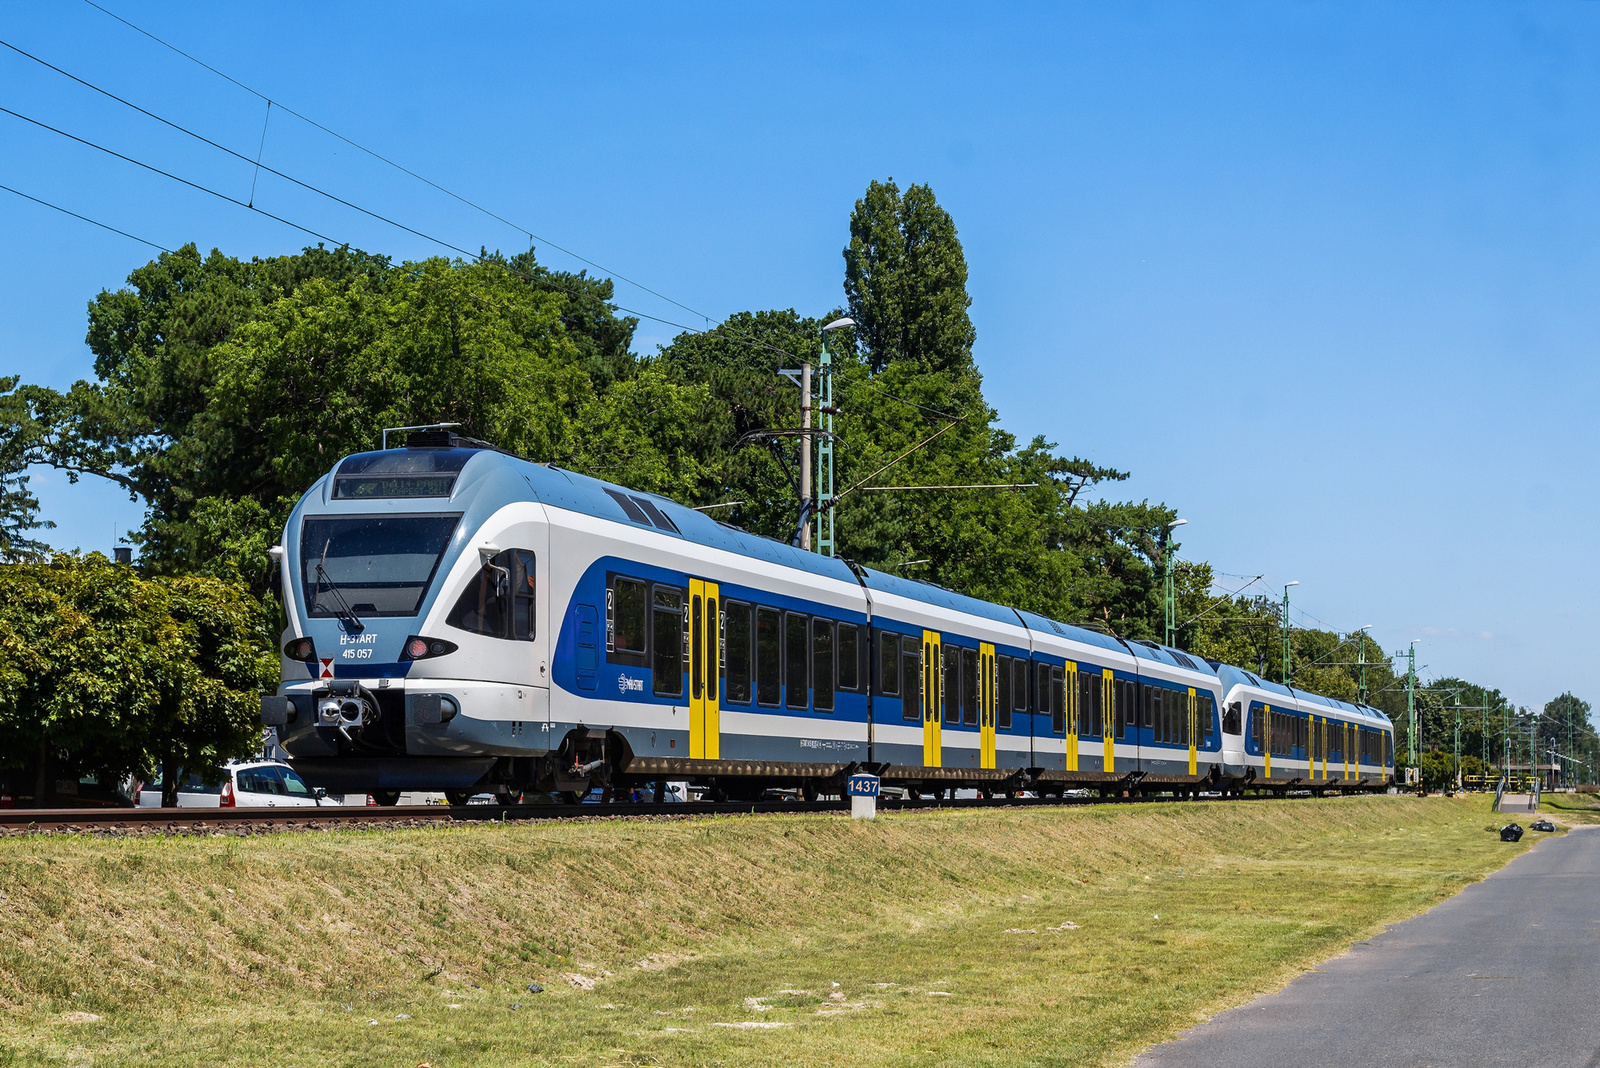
x,y
248,784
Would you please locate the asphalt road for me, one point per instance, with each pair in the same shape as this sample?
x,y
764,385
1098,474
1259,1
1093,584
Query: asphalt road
x,y
1507,972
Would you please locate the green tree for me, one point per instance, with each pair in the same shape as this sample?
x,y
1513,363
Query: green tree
x,y
906,281
106,673
1566,721
19,508
225,388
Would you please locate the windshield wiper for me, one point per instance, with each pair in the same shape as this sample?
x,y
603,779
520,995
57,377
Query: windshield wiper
x,y
346,615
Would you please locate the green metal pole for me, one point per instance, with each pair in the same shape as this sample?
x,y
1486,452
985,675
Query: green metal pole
x,y
1288,666
1458,743
1411,704
1361,655
825,487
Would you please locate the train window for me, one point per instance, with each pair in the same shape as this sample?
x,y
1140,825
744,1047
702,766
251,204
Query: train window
x,y
627,621
769,657
666,635
1204,711
1127,707
1041,689
1058,700
910,677
796,663
498,602
697,625
1002,703
969,687
950,715
1019,685
1231,717
822,670
849,657
736,648
1096,718
1088,685
888,664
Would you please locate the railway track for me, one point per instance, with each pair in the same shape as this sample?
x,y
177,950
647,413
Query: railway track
x,y
233,821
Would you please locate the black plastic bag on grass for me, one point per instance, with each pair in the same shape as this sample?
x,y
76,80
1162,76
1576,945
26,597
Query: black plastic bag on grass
x,y
1511,833
1542,825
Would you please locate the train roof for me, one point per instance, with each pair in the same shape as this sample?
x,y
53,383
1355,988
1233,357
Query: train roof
x,y
498,473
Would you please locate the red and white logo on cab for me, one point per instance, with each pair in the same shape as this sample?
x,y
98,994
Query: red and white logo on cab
x,y
327,667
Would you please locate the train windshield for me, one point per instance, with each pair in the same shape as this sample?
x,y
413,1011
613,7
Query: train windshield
x,y
382,565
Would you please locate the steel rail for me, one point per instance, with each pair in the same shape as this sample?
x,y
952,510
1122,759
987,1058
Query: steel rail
x,y
25,821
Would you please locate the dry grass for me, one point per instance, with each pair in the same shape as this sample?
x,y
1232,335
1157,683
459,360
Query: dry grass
x,y
1029,937
1570,808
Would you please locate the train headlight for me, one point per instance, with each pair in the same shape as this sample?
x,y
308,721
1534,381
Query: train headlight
x,y
302,649
418,647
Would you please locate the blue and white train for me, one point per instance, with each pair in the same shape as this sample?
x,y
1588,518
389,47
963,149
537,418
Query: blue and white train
x,y
464,620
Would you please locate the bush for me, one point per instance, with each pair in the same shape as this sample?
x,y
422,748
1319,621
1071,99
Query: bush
x,y
105,673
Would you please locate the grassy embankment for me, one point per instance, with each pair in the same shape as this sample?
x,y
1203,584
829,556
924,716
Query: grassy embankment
x,y
1570,808
1074,936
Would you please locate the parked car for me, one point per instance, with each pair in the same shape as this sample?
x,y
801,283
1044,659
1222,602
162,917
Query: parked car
x,y
246,784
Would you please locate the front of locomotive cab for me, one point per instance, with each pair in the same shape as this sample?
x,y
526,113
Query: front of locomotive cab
x,y
415,656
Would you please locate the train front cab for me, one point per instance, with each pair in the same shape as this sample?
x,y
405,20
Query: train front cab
x,y
416,651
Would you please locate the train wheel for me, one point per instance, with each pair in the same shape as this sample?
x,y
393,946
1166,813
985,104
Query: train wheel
x,y
386,798
661,791
913,793
986,792
458,797
574,797
508,799
809,791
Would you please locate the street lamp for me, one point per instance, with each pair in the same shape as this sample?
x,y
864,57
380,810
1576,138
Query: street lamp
x,y
1172,609
1288,666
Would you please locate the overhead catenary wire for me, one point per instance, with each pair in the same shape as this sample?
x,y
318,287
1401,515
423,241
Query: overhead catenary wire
x,y
975,486
397,166
272,102
85,218
235,154
258,165
168,174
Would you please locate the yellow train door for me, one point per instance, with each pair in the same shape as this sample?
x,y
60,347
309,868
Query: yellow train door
x,y
1073,712
1266,738
932,698
1194,743
987,688
705,675
1108,716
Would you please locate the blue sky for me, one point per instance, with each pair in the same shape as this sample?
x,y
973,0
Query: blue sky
x,y
1322,276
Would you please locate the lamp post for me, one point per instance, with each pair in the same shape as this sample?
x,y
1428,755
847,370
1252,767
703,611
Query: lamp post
x,y
825,486
1288,665
1166,554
